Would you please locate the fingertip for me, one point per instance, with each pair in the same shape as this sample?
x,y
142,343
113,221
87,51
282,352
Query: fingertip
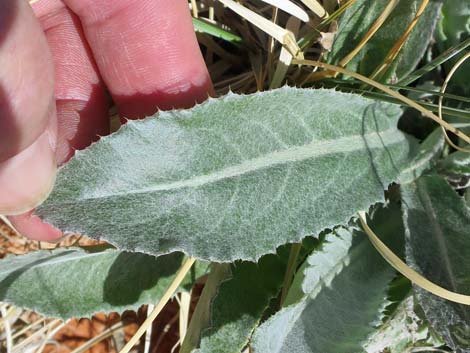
x,y
32,227
27,179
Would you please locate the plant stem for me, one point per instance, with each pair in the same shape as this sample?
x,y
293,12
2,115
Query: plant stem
x,y
291,266
165,298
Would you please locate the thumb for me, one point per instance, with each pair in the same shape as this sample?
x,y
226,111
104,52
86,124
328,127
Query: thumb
x,y
27,110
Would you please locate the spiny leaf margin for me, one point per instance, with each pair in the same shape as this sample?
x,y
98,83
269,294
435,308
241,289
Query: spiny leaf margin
x,y
323,131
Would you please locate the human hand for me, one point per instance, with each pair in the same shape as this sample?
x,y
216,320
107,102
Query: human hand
x,y
56,67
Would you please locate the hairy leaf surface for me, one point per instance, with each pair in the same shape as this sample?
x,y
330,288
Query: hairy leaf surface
x,y
344,286
453,28
359,18
457,163
437,223
239,304
79,282
402,332
427,156
456,168
233,178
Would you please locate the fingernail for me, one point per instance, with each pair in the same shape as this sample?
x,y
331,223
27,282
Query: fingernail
x,y
27,179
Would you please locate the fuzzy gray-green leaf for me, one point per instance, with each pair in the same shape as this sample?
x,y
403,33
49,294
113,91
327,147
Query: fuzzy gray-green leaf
x,y
345,285
79,282
233,178
240,303
403,332
359,18
456,168
426,157
437,223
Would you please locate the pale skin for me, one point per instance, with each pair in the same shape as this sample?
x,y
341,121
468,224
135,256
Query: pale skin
x,y
60,61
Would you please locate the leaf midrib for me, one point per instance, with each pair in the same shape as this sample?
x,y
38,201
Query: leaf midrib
x,y
55,261
313,149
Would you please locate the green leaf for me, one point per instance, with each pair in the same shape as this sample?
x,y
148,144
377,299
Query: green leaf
x,y
453,28
454,25
345,286
437,61
201,318
427,156
457,163
358,19
233,178
456,168
402,332
240,303
202,26
79,282
437,238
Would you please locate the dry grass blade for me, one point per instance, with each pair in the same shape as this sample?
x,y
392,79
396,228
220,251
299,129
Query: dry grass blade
x,y
102,336
27,328
392,54
372,30
148,333
271,46
8,223
184,311
283,36
8,334
311,37
165,298
49,335
285,58
408,272
370,33
289,7
316,8
165,331
194,10
37,335
441,98
387,90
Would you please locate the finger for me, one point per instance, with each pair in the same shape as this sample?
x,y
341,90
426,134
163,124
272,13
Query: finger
x,y
27,178
146,51
34,228
82,106
27,110
80,97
